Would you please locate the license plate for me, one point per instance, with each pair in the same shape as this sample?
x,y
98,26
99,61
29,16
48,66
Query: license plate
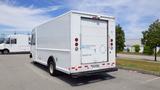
x,y
94,66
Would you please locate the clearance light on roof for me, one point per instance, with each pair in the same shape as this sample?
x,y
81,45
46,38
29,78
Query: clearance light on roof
x,y
95,17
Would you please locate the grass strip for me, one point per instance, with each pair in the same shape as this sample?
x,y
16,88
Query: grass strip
x,y
143,66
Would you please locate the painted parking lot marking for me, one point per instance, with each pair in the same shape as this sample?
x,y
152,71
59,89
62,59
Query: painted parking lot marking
x,y
150,80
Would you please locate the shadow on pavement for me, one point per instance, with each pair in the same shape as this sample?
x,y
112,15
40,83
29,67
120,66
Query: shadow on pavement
x,y
83,80
44,68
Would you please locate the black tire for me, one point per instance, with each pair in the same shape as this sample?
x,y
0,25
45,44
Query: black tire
x,y
1,52
5,51
52,68
30,55
34,62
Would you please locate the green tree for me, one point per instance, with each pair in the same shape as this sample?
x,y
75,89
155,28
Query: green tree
x,y
147,50
137,48
120,39
151,37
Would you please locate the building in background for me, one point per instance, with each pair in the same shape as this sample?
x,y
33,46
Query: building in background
x,y
131,42
129,45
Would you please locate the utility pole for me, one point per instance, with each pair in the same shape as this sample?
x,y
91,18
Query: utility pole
x,y
155,53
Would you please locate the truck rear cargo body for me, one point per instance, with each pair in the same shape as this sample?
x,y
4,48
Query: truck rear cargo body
x,y
76,43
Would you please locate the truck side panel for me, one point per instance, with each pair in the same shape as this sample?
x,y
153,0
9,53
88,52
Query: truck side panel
x,y
53,39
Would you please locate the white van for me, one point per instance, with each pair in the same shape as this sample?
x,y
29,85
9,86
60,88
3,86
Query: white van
x,y
76,43
15,43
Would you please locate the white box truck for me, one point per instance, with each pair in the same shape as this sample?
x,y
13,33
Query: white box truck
x,y
15,43
76,43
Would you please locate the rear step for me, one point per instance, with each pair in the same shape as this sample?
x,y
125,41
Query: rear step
x,y
93,72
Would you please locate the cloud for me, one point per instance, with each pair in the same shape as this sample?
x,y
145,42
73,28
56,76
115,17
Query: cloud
x,y
131,14
23,18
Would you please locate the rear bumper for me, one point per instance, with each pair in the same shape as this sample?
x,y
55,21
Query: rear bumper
x,y
94,72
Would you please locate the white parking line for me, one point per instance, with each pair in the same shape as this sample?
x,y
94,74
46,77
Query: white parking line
x,y
150,80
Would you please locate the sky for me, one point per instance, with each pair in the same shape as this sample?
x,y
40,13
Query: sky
x,y
22,16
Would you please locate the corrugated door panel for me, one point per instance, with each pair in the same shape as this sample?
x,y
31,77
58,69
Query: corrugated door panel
x,y
93,40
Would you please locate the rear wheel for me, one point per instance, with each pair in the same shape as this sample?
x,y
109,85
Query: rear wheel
x,y
5,51
51,68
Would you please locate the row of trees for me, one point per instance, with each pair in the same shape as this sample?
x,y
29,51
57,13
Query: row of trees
x,y
150,40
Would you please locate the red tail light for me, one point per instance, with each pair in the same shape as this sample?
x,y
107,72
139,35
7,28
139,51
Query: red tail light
x,y
76,44
76,39
111,40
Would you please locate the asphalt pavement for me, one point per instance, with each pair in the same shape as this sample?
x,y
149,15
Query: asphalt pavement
x,y
17,72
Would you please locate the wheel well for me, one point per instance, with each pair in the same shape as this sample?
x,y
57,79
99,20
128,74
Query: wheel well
x,y
6,49
51,58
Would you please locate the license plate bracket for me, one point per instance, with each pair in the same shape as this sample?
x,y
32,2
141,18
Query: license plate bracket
x,y
95,66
